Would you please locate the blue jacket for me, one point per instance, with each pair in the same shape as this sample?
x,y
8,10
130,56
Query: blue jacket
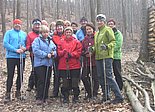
x,y
12,41
80,35
41,47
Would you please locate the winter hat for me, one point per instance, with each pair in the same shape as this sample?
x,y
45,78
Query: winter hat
x,y
36,21
91,25
83,19
60,22
69,28
74,24
101,17
17,21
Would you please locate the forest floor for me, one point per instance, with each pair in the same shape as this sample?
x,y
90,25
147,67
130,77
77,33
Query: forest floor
x,y
29,105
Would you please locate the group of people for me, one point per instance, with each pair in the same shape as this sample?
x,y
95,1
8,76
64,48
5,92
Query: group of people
x,y
72,55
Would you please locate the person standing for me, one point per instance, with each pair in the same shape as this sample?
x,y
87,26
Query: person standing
x,y
81,33
69,51
57,36
52,28
36,23
117,53
86,78
74,26
14,43
44,51
104,49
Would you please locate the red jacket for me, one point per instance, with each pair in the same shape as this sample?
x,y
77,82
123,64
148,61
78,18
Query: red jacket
x,y
30,38
56,38
72,46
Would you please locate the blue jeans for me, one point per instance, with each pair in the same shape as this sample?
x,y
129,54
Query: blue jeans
x,y
110,81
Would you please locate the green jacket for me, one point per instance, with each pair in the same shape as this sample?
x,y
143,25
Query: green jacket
x,y
118,45
105,36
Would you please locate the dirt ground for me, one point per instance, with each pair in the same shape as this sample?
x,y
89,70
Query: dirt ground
x,y
29,104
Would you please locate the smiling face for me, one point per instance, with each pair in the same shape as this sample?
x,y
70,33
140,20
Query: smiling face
x,y
68,33
17,26
44,31
89,30
100,23
111,24
59,28
45,34
36,27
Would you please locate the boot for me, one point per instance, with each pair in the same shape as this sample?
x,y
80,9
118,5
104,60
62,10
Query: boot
x,y
88,97
75,99
66,100
7,98
18,94
29,89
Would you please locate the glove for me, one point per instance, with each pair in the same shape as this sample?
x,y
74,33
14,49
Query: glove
x,y
90,49
64,51
69,55
49,55
30,49
52,54
103,47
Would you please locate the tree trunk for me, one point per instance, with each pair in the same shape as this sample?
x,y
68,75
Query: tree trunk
x,y
14,9
2,3
136,105
143,55
18,9
99,6
92,11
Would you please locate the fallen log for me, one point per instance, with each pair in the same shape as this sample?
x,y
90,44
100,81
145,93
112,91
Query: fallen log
x,y
136,105
146,96
153,90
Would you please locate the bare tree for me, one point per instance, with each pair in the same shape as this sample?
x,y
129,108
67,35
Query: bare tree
x,y
143,55
18,9
99,6
2,5
92,11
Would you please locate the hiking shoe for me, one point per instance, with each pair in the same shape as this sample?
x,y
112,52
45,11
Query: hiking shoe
x,y
29,89
65,100
7,98
54,96
39,102
75,99
104,99
116,101
18,94
48,101
87,97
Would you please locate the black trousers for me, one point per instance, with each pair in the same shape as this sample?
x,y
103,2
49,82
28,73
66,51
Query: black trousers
x,y
56,78
43,81
11,64
33,78
70,81
117,72
86,80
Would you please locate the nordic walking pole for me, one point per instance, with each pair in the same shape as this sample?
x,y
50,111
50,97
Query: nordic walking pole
x,y
21,76
105,80
68,73
46,76
91,77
